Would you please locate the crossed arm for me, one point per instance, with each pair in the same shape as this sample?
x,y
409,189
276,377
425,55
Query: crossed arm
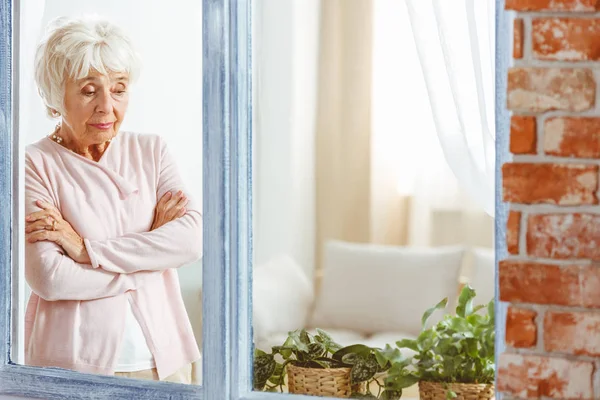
x,y
61,269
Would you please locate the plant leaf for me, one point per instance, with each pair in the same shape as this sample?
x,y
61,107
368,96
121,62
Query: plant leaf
x,y
426,340
399,382
304,338
315,350
324,335
381,358
328,341
465,302
391,395
390,354
476,320
408,344
491,310
297,340
427,314
459,325
359,349
479,307
258,352
350,358
289,346
363,369
264,366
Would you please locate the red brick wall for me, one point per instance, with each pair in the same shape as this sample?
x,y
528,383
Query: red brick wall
x,y
551,279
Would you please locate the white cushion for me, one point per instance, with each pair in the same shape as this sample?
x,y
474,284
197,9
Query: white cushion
x,y
282,297
483,274
372,288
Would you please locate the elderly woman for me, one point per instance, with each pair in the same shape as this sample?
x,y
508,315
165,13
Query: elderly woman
x,y
107,220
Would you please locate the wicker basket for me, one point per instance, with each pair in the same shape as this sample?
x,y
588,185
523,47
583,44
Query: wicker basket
x,y
464,391
330,382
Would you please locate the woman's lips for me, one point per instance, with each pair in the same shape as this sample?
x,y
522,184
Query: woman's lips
x,y
102,126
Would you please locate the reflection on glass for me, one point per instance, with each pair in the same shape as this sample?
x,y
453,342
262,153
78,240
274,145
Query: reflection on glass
x,y
364,239
110,218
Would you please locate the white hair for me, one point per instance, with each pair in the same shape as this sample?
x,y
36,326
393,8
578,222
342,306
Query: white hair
x,y
74,46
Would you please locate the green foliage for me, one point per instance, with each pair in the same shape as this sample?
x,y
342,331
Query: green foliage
x,y
320,351
458,349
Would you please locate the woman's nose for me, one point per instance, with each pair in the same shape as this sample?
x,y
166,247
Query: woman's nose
x,y
105,102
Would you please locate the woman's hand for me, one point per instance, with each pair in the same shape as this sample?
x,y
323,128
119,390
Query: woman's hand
x,y
48,224
168,208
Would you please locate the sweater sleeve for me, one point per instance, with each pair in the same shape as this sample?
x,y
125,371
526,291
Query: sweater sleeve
x,y
172,245
53,275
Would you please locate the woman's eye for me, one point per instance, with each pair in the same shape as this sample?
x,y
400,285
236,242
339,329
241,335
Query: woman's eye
x,y
120,92
89,94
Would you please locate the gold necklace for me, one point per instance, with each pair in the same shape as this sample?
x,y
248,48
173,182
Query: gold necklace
x,y
54,135
59,139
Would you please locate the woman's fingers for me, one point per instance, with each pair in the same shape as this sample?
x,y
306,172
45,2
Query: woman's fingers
x,y
43,235
53,211
169,207
36,216
42,215
174,212
163,200
174,200
43,223
47,210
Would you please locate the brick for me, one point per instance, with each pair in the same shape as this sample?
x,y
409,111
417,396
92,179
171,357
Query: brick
x,y
572,137
522,135
560,184
575,333
521,330
545,89
551,5
539,283
566,39
563,236
518,38
590,286
513,228
531,377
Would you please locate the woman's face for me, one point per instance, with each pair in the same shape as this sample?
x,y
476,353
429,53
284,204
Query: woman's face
x,y
95,107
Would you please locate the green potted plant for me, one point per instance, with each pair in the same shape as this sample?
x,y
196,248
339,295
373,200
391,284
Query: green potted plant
x,y
317,365
454,358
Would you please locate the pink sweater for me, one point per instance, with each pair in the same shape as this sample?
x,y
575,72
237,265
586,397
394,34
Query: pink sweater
x,y
75,318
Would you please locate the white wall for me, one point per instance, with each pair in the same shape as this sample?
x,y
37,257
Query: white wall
x,y
166,100
285,77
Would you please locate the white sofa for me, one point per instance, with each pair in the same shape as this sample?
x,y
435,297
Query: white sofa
x,y
368,294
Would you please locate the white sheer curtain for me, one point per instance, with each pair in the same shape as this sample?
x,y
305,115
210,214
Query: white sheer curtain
x,y
433,108
459,35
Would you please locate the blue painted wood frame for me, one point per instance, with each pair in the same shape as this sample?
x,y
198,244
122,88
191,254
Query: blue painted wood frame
x,y
226,207
503,60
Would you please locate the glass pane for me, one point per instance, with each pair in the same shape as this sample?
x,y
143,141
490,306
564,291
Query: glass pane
x,y
110,126
360,226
